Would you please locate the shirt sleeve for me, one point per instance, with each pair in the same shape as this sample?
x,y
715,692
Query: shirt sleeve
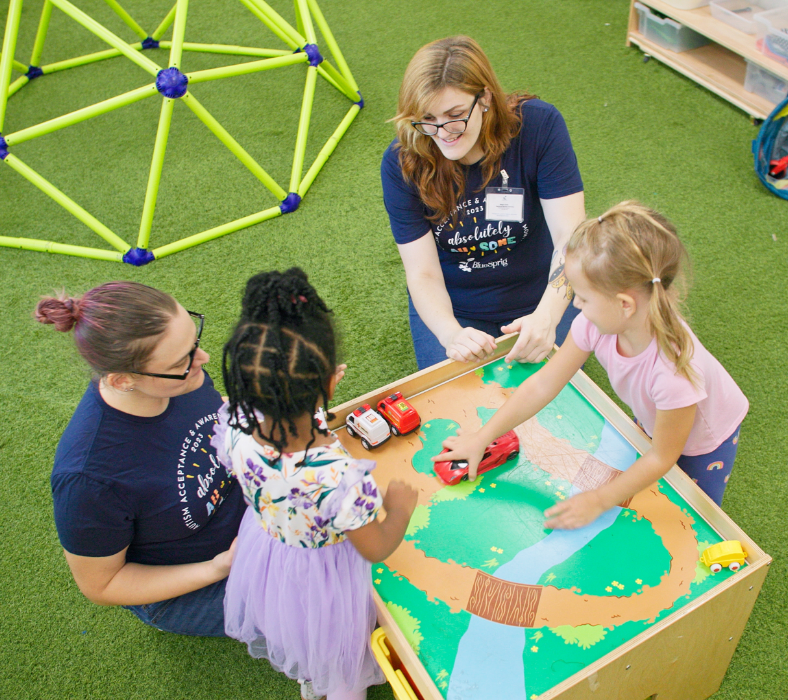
x,y
670,390
557,174
359,506
407,214
91,520
584,333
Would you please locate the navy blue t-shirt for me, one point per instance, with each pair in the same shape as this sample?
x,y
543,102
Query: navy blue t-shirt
x,y
495,271
152,484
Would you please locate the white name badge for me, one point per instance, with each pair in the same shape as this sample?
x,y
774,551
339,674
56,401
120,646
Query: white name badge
x,y
504,204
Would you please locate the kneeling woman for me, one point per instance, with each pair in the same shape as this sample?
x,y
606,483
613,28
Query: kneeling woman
x,y
145,513
474,269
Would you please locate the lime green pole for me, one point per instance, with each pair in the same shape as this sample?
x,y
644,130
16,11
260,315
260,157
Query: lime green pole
x,y
299,19
102,33
17,85
303,128
80,115
275,17
210,234
84,60
178,32
154,177
332,43
327,150
302,12
64,248
229,49
128,20
19,67
68,204
328,78
201,76
165,24
7,58
269,23
41,33
339,81
232,145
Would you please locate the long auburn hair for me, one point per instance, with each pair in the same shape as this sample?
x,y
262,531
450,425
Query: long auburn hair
x,y
629,247
455,62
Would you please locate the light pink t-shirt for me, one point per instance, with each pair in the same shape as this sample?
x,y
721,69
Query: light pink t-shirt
x,y
648,382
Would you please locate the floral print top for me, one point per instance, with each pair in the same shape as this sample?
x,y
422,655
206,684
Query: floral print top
x,y
307,505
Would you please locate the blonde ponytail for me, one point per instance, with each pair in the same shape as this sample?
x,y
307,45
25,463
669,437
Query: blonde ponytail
x,y
633,247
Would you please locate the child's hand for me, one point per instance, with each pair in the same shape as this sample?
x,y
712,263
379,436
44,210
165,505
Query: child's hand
x,y
339,372
578,511
463,447
400,496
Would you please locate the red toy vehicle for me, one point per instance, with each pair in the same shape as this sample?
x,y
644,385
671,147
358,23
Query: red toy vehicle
x,y
502,450
399,414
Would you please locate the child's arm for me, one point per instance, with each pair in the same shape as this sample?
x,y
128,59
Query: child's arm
x,y
377,540
671,430
529,398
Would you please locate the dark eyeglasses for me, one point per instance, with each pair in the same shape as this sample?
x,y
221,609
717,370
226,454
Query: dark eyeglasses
x,y
453,126
199,319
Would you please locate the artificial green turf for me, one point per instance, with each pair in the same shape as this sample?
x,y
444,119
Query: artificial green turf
x,y
640,131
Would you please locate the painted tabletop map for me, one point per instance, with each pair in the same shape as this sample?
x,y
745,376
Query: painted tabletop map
x,y
495,605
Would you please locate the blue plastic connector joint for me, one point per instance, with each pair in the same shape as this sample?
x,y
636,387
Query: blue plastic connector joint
x,y
311,50
138,257
360,102
171,83
3,148
34,72
290,203
150,43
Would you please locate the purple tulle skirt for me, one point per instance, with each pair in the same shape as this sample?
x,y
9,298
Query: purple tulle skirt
x,y
308,611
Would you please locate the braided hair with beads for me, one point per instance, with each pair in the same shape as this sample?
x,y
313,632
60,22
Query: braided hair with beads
x,y
281,356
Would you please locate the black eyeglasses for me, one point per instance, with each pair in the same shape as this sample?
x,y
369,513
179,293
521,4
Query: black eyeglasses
x,y
453,126
199,319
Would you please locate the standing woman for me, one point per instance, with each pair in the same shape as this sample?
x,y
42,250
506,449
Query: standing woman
x,y
146,515
476,265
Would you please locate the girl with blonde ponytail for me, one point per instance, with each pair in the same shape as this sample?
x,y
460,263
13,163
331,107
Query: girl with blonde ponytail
x,y
624,267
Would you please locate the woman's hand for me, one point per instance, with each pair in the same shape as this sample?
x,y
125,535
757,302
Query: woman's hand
x,y
463,447
536,340
224,560
578,511
470,345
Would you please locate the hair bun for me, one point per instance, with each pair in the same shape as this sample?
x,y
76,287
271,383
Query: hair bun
x,y
276,296
61,312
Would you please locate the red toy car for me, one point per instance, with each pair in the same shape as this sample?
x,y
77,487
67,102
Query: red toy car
x,y
399,414
502,450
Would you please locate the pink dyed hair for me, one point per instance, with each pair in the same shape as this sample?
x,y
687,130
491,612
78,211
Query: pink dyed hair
x,y
116,325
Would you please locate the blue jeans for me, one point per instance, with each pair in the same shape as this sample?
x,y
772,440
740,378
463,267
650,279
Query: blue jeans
x,y
199,613
429,351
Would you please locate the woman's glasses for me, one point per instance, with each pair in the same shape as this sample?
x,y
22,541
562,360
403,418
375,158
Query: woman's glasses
x,y
199,320
453,126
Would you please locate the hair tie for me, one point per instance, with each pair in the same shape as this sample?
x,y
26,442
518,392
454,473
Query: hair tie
x,y
600,219
655,280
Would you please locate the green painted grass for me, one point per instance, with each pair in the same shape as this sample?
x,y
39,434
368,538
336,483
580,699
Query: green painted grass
x,y
640,131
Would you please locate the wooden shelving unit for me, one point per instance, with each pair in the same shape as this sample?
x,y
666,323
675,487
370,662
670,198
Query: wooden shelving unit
x,y
718,66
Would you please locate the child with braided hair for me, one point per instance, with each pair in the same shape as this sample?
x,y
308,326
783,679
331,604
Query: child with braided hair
x,y
623,267
300,588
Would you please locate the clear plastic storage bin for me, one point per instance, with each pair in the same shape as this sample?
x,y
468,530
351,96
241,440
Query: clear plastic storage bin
x,y
741,13
772,29
667,32
763,83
